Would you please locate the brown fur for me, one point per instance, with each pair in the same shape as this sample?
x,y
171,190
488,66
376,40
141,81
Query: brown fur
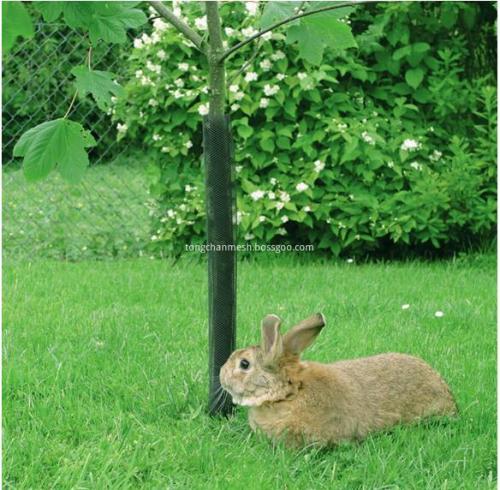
x,y
308,402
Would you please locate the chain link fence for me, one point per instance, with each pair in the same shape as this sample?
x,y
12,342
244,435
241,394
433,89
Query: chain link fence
x,y
107,214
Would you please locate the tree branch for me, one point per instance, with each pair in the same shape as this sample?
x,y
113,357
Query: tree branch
x,y
179,24
216,71
230,51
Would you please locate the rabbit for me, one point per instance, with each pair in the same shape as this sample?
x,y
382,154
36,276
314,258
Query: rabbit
x,y
307,402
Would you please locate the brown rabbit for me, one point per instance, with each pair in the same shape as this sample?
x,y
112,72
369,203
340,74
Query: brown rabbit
x,y
309,402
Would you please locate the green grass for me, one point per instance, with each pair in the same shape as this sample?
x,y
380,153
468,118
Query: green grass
x,y
105,375
104,216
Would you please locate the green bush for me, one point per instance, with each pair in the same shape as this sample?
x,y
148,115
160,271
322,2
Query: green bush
x,y
388,146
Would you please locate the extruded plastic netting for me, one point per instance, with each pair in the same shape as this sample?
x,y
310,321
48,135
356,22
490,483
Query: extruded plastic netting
x,y
220,207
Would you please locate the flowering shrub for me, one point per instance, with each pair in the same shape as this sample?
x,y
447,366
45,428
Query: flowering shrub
x,y
388,144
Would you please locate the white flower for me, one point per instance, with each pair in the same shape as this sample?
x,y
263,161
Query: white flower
x,y
154,237
183,66
229,31
177,94
139,73
265,65
121,128
350,261
280,76
161,54
271,195
301,75
284,219
280,205
203,109
153,67
266,36
319,166
238,168
416,165
411,145
252,7
249,31
249,236
165,149
307,209
171,213
179,82
436,155
188,188
188,144
235,107
159,25
284,196
239,214
263,102
405,306
367,138
302,186
155,38
262,219
239,95
251,76
138,43
201,23
281,231
278,55
270,90
146,39
195,78
273,181
146,81
156,137
390,164
234,88
256,195
439,314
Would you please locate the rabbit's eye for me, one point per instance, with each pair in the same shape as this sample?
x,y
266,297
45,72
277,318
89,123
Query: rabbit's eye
x,y
244,364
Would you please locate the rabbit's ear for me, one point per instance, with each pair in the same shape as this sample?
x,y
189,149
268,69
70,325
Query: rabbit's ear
x,y
303,334
272,343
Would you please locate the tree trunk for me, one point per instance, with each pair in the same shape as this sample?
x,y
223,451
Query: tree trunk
x,y
220,201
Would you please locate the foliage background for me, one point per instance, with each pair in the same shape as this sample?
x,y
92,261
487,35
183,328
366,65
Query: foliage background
x,y
320,154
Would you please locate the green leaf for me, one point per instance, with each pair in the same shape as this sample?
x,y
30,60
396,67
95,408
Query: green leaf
x,y
104,20
414,77
318,31
16,22
59,143
98,83
108,29
338,13
49,10
277,11
267,145
401,53
245,131
78,14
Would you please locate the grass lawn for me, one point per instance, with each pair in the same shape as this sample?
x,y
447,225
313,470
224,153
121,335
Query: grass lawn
x,y
104,216
105,377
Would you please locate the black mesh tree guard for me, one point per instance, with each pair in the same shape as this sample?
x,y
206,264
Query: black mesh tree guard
x,y
220,208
